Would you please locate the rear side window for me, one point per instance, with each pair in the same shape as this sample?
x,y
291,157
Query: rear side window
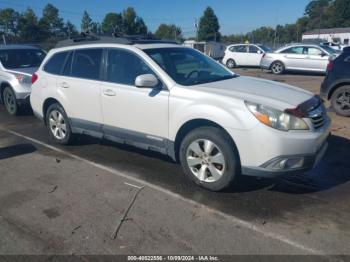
x,y
239,49
87,63
55,63
294,50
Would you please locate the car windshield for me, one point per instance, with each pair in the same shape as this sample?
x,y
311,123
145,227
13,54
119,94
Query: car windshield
x,y
187,66
21,58
265,48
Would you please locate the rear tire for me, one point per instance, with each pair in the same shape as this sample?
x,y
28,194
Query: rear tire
x,y
277,68
340,101
231,63
10,101
209,158
58,125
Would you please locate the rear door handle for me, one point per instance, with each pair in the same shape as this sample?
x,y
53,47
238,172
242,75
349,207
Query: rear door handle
x,y
64,85
109,92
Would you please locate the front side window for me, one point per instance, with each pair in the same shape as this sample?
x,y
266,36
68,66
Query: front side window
x,y
87,63
314,51
21,58
187,66
55,63
253,49
123,67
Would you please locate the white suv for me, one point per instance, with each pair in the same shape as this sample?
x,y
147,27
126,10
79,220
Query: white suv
x,y
244,55
179,102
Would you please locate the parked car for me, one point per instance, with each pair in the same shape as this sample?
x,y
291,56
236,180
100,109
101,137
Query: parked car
x,y
179,102
299,57
335,46
336,85
17,64
244,55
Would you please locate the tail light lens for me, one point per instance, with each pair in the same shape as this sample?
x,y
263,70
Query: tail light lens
x,y
34,78
330,65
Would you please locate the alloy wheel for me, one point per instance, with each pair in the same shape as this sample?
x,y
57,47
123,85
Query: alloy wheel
x,y
57,124
230,63
205,160
10,101
343,100
277,68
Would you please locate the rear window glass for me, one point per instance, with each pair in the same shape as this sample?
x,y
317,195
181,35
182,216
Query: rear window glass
x,y
87,63
55,63
21,58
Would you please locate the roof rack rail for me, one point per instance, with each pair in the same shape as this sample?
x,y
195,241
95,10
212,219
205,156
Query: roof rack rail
x,y
88,38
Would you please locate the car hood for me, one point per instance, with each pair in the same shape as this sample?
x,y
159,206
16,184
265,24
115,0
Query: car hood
x,y
258,90
28,70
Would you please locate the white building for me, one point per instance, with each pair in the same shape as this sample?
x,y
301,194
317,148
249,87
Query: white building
x,y
213,49
339,35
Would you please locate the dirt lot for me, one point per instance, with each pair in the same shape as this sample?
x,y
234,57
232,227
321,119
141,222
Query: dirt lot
x,y
69,200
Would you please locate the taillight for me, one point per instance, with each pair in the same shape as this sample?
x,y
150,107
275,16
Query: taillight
x,y
34,78
330,65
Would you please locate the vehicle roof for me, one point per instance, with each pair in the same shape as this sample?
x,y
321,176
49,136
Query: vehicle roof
x,y
17,46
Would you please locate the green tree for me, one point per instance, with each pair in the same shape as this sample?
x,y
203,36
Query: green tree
x,y
28,26
112,22
208,28
8,21
96,28
70,29
51,22
170,31
86,22
132,24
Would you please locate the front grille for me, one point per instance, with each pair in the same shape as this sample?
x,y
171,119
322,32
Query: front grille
x,y
318,116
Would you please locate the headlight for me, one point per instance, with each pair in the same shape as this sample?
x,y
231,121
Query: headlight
x,y
276,118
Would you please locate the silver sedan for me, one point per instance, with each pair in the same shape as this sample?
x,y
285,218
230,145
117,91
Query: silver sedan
x,y
301,57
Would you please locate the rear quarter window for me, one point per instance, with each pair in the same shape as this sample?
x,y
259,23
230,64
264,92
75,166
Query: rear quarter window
x,y
55,63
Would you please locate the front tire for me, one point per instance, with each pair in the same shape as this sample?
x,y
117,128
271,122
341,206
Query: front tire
x,y
10,101
58,125
340,101
209,158
277,68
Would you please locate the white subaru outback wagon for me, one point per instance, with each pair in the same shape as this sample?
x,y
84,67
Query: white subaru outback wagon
x,y
175,100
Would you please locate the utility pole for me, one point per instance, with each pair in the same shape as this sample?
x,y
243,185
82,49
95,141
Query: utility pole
x,y
196,25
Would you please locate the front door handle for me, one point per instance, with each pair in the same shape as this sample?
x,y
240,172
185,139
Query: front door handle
x,y
64,85
109,92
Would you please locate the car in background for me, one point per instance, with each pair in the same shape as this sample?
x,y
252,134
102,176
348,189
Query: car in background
x,y
299,57
244,55
17,64
334,45
336,85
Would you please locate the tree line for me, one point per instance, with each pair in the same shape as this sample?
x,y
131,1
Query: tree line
x,y
50,27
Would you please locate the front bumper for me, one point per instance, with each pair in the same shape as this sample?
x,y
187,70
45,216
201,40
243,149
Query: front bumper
x,y
309,161
261,147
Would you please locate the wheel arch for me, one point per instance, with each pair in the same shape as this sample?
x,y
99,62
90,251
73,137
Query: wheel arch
x,y
47,103
3,85
275,61
191,125
336,86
